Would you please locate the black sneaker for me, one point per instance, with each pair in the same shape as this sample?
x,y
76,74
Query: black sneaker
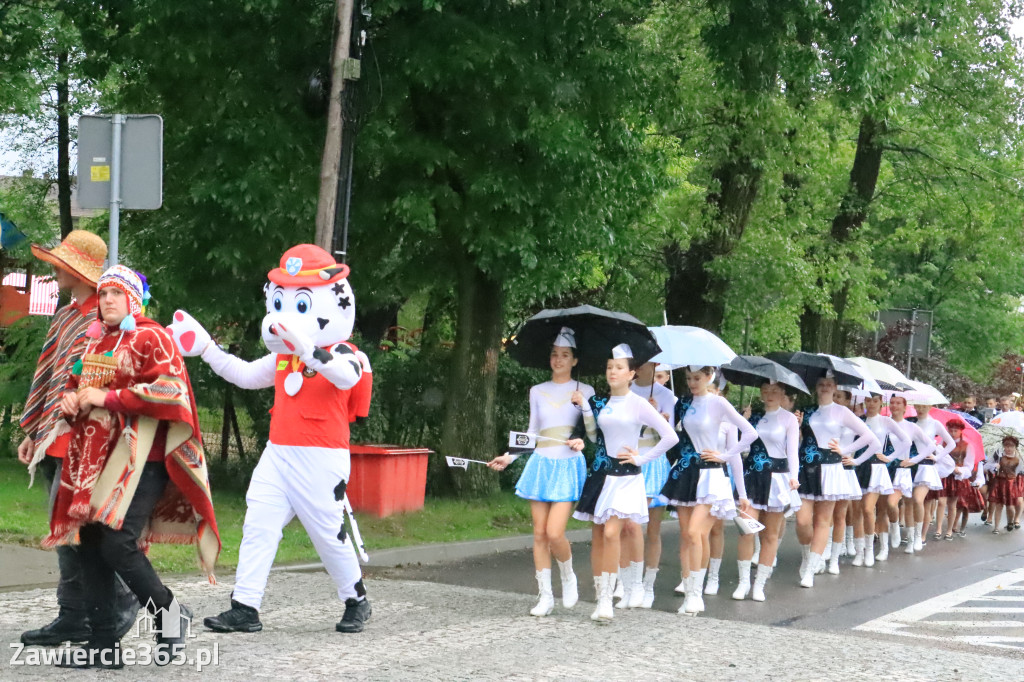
x,y
357,612
239,618
68,626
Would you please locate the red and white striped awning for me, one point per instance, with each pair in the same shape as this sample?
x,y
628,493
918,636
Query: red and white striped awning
x,y
43,295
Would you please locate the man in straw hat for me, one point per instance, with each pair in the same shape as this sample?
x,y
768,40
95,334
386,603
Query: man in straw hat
x,y
77,264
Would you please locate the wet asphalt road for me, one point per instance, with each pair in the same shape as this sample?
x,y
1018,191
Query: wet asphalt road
x,y
835,603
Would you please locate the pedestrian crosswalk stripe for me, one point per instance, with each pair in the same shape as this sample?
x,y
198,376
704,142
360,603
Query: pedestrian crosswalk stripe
x,y
1001,595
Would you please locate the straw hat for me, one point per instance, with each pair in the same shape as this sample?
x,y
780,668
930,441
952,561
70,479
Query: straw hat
x,y
81,253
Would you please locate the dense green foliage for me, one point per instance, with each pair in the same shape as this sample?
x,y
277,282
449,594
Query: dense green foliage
x,y
781,166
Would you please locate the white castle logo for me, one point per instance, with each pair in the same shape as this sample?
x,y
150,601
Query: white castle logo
x,y
170,619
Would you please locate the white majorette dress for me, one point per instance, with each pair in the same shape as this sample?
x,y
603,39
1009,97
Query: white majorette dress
x,y
656,471
822,476
692,481
773,461
846,441
874,475
554,473
615,488
943,465
920,447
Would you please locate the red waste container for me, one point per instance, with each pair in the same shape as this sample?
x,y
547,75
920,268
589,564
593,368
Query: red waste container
x,y
387,479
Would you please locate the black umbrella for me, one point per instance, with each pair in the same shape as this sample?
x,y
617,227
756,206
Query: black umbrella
x,y
597,332
753,370
811,367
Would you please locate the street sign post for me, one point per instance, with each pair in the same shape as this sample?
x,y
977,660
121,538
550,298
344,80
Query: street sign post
x,y
120,166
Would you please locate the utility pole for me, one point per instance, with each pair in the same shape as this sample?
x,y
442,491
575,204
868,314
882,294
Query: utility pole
x,y
342,67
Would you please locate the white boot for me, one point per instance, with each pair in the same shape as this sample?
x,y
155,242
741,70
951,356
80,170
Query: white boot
x,y
763,573
757,545
626,580
858,552
827,554
851,542
805,553
605,610
681,587
649,577
598,588
919,537
636,595
698,591
883,548
619,588
714,565
687,608
807,579
869,550
894,534
570,587
910,541
547,601
833,563
744,585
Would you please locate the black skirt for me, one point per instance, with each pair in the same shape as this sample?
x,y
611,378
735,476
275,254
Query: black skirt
x,y
810,479
592,488
681,485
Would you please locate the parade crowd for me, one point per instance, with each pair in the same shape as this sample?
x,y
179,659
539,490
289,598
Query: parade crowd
x,y
867,468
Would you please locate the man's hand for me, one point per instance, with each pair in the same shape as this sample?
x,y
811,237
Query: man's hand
x,y
25,449
69,404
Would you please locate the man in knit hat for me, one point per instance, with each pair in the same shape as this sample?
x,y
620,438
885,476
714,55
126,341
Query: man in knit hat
x,y
77,264
134,470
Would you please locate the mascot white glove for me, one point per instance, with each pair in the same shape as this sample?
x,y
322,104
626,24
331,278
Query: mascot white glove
x,y
190,336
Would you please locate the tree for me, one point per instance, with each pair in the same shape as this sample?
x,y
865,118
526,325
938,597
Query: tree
x,y
506,142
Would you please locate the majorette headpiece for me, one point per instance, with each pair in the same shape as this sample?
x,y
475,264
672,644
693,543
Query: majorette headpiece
x,y
566,338
622,351
663,368
307,265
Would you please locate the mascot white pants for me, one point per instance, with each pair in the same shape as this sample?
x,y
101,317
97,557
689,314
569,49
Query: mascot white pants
x,y
294,482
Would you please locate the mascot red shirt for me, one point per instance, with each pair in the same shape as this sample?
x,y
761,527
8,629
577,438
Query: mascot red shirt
x,y
321,384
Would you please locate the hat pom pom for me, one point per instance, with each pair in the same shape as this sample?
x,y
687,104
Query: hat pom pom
x,y
76,369
128,324
95,330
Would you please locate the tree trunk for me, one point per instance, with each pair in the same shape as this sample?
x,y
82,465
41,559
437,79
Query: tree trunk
x,y
692,294
63,147
468,428
836,333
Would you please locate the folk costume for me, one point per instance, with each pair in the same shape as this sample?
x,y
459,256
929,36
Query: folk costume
x,y
134,470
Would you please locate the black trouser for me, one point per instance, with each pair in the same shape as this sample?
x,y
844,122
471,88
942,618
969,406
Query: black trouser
x,y
104,551
71,587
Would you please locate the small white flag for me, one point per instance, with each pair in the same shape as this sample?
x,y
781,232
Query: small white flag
x,y
519,441
462,462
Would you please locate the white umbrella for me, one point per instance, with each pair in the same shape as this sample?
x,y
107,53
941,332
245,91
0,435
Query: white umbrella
x,y
1010,420
681,345
867,382
879,370
923,394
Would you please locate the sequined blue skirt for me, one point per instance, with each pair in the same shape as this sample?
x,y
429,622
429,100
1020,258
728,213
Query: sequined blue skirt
x,y
655,475
552,480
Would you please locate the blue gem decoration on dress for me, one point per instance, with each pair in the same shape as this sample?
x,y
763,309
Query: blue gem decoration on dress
x,y
293,265
811,453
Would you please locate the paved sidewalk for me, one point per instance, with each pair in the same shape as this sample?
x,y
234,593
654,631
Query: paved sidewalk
x,y
425,631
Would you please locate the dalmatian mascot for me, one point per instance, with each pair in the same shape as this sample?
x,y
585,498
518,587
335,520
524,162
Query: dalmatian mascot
x,y
321,383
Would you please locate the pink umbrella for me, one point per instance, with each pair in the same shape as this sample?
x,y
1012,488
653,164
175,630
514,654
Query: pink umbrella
x,y
971,434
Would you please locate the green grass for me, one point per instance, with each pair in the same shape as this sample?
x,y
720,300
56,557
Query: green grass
x,y
24,521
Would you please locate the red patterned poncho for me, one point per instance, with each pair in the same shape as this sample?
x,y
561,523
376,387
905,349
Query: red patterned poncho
x,y
106,452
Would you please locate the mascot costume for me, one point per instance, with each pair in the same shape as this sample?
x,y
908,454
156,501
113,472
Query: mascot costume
x,y
321,383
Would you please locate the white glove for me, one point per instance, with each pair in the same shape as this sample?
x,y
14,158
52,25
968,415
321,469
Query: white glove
x,y
298,343
190,336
